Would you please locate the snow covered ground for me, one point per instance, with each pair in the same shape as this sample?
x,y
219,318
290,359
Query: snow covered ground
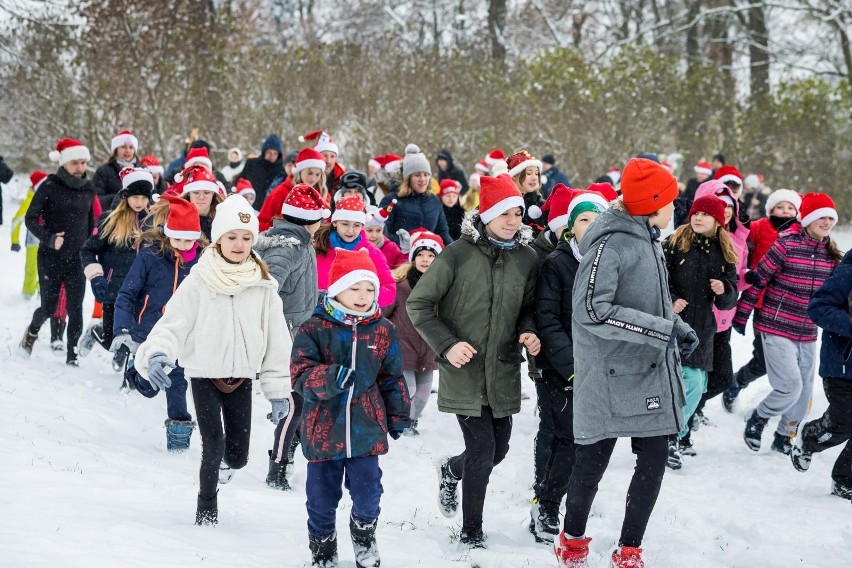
x,y
87,482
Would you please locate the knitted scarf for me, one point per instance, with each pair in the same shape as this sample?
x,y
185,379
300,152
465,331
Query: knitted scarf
x,y
223,277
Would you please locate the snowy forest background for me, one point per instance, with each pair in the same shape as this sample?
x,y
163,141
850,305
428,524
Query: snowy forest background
x,y
767,82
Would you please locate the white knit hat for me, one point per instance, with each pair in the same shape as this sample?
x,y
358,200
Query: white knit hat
x,y
780,195
232,214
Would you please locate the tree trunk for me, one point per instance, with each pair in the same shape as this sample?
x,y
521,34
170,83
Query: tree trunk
x,y
496,28
758,52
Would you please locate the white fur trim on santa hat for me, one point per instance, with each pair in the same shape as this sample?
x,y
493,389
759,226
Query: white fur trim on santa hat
x,y
393,166
818,214
306,214
349,215
501,207
200,185
190,235
305,164
418,244
156,169
136,175
352,278
731,177
70,154
245,191
325,144
780,195
557,223
706,171
533,163
123,138
199,160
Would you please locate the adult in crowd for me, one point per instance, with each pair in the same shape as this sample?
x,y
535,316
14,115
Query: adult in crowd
x,y
551,175
183,162
447,169
235,166
262,170
106,181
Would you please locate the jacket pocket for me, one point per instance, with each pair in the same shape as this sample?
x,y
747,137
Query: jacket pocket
x,y
634,385
464,287
376,409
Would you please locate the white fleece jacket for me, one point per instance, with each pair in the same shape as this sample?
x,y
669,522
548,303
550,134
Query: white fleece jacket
x,y
217,336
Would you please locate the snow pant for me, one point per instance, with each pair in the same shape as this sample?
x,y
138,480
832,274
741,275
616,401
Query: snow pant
x,y
694,386
592,461
107,319
53,272
721,378
175,394
287,431
362,477
834,428
224,420
543,443
486,443
755,368
419,385
556,408
31,271
791,366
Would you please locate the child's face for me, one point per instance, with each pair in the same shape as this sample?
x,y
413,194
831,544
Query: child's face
x,y
784,209
359,297
450,199
374,235
531,181
821,228
311,176
702,223
236,244
729,213
249,197
506,226
423,260
137,203
582,223
181,244
202,201
348,230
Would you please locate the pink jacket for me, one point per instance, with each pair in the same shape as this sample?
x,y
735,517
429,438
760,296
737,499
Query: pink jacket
x,y
724,318
387,285
394,256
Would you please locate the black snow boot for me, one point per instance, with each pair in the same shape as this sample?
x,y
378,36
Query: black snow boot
x,y
277,476
544,521
800,453
472,537
207,513
364,543
323,551
675,460
840,490
27,342
448,496
57,330
754,431
781,444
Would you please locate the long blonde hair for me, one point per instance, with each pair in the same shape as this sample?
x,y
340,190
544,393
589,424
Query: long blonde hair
x,y
121,226
405,189
685,236
400,273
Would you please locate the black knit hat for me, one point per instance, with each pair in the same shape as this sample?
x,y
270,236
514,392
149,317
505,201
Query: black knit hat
x,y
549,159
136,181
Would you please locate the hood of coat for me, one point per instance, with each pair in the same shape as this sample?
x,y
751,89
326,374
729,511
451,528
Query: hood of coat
x,y
445,155
282,234
472,229
715,187
616,219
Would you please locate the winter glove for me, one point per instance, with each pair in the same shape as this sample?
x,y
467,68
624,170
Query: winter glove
x,y
752,278
404,241
739,327
16,247
123,338
100,288
345,378
157,375
689,345
280,410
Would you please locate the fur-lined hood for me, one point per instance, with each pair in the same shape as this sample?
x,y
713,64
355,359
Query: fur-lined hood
x,y
472,228
282,234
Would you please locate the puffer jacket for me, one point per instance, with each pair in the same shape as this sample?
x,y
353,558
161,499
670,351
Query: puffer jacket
x,y
423,210
286,248
394,256
416,353
829,309
98,256
57,207
554,310
342,423
387,284
107,183
627,382
485,296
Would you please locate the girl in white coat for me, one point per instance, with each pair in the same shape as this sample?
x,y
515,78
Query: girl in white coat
x,y
224,325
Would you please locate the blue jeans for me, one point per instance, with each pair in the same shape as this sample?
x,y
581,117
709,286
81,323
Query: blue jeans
x,y
175,394
361,476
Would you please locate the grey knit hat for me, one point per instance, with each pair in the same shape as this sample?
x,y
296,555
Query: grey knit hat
x,y
414,161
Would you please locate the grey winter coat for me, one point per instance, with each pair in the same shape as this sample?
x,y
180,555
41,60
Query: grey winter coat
x,y
286,248
627,381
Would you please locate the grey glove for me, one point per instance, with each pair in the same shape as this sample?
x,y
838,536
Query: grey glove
x,y
123,339
684,336
157,375
689,344
280,410
404,241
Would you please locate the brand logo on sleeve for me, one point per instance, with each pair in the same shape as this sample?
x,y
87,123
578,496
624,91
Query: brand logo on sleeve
x,y
652,403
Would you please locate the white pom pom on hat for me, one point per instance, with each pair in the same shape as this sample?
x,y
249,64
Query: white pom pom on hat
x,y
412,149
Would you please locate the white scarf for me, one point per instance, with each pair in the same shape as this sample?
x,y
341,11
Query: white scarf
x,y
223,277
575,248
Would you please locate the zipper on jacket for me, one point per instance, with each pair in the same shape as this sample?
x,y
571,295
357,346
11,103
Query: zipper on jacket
x,y
351,392
778,309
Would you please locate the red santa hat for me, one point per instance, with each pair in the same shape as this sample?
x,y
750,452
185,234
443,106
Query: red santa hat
x,y
556,206
614,174
816,205
728,173
350,208
374,163
305,202
324,143
195,157
152,164
350,267
183,221
494,156
123,138
780,195
449,186
520,161
496,196
244,187
198,178
68,150
36,178
421,239
482,167
703,167
391,163
604,189
308,158
376,216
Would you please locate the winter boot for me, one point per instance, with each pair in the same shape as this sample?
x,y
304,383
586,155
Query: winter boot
x,y
781,444
207,512
472,537
572,552
127,385
178,434
27,342
840,490
291,454
627,557
544,521
448,497
685,446
411,430
675,460
71,358
57,330
119,359
799,455
277,476
89,337
323,551
754,430
364,543
225,473
729,397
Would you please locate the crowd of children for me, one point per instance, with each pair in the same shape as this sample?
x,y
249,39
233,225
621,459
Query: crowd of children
x,y
343,310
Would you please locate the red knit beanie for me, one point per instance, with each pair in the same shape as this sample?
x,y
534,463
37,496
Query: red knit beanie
x,y
711,205
646,187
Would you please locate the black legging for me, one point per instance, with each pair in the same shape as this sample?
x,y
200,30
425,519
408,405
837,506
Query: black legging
x,y
106,336
212,408
287,431
486,443
52,273
556,400
591,463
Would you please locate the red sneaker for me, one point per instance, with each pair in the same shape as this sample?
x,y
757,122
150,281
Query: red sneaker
x,y
627,557
571,552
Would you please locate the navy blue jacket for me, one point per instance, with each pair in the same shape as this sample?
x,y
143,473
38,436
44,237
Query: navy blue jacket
x,y
554,176
415,211
829,309
153,278
115,260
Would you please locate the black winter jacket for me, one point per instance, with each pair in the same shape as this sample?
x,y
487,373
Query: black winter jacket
x,y
58,207
261,173
829,308
455,217
107,183
554,311
452,172
534,199
115,260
